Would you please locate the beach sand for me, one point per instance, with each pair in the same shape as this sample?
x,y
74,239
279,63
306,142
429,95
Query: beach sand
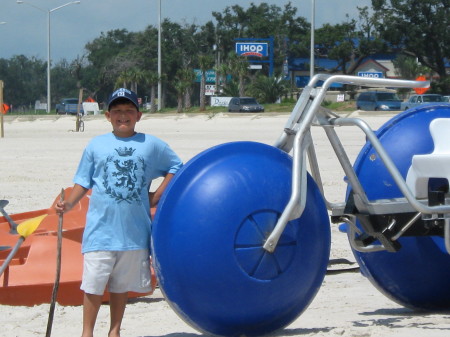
x,y
40,155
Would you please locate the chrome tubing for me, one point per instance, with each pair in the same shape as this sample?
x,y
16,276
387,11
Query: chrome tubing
x,y
299,124
392,169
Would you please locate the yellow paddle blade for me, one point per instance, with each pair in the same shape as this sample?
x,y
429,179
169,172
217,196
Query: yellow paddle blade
x,y
29,226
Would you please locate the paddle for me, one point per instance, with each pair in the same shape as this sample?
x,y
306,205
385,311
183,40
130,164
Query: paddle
x,y
12,224
24,229
58,271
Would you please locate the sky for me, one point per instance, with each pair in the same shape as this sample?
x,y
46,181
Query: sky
x,y
23,28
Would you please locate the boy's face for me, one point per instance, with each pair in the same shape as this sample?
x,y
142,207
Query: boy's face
x,y
123,118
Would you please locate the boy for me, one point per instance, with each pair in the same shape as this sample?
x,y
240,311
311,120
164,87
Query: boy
x,y
119,168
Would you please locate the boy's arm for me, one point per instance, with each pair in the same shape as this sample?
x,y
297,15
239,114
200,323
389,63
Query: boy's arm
x,y
75,195
155,196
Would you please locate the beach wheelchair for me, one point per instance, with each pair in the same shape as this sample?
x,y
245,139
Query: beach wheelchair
x,y
241,238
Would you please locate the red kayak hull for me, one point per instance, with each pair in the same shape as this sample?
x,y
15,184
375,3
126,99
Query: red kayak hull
x,y
30,277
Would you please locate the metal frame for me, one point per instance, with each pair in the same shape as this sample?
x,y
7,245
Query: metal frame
x,y
296,137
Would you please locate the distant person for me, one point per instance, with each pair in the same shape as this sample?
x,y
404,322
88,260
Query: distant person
x,y
119,168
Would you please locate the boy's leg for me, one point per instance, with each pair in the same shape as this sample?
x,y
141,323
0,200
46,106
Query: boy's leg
x,y
117,303
91,305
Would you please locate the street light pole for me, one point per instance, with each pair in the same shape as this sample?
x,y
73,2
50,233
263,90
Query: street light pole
x,y
48,11
313,14
49,101
159,59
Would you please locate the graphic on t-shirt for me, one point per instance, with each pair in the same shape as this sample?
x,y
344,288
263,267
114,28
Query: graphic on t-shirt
x,y
123,176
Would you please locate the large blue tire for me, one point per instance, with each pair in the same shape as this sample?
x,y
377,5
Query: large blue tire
x,y
208,235
418,275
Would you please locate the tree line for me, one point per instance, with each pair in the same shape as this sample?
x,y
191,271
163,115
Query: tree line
x,y
417,31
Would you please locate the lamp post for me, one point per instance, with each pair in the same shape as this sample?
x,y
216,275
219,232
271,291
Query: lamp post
x,y
313,14
48,11
159,59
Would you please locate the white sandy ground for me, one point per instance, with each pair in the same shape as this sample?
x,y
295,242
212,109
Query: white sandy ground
x,y
39,156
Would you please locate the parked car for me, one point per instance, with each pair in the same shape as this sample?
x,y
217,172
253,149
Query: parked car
x,y
244,104
416,100
378,100
68,106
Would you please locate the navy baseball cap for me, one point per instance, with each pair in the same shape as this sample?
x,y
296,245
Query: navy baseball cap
x,y
123,93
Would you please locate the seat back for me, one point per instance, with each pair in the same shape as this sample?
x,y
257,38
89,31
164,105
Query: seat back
x,y
440,132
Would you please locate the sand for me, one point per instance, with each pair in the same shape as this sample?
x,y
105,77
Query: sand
x,y
40,155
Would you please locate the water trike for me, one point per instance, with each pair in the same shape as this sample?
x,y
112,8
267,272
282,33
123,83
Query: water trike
x,y
241,238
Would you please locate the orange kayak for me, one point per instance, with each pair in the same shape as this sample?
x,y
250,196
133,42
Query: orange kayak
x,y
30,276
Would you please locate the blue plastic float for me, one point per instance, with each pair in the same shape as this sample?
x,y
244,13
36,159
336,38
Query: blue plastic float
x,y
208,236
418,275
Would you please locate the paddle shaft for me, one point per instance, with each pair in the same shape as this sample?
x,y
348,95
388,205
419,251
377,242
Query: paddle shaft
x,y
58,272
11,222
11,255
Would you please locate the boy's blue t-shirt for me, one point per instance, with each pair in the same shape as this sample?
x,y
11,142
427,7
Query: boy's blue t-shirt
x,y
119,171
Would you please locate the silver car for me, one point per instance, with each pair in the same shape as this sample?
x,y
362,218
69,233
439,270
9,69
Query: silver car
x,y
416,100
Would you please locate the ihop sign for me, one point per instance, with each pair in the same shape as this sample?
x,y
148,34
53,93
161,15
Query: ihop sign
x,y
252,49
371,74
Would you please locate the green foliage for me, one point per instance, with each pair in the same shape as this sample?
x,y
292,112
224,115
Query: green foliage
x,y
418,28
25,80
63,82
441,87
183,83
121,58
231,89
347,44
408,68
268,89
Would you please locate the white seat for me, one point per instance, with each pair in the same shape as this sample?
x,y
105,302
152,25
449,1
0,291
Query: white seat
x,y
432,165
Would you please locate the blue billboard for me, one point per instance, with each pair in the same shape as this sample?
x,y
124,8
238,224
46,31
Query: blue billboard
x,y
210,75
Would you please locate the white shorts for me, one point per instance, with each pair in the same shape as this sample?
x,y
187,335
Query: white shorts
x,y
122,271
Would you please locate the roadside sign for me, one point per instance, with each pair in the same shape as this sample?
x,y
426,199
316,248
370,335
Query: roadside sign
x,y
210,76
5,108
420,91
210,89
371,74
220,101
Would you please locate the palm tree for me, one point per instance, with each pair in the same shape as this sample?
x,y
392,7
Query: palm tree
x,y
239,68
123,79
268,89
407,67
205,62
221,76
136,76
152,78
179,88
187,76
231,89
183,82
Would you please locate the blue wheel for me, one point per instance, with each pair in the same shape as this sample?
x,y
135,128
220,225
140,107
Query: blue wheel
x,y
418,275
208,238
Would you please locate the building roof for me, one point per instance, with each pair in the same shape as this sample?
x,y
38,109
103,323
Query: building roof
x,y
303,64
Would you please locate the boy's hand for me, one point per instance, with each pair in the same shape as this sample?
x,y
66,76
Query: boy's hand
x,y
62,207
75,196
